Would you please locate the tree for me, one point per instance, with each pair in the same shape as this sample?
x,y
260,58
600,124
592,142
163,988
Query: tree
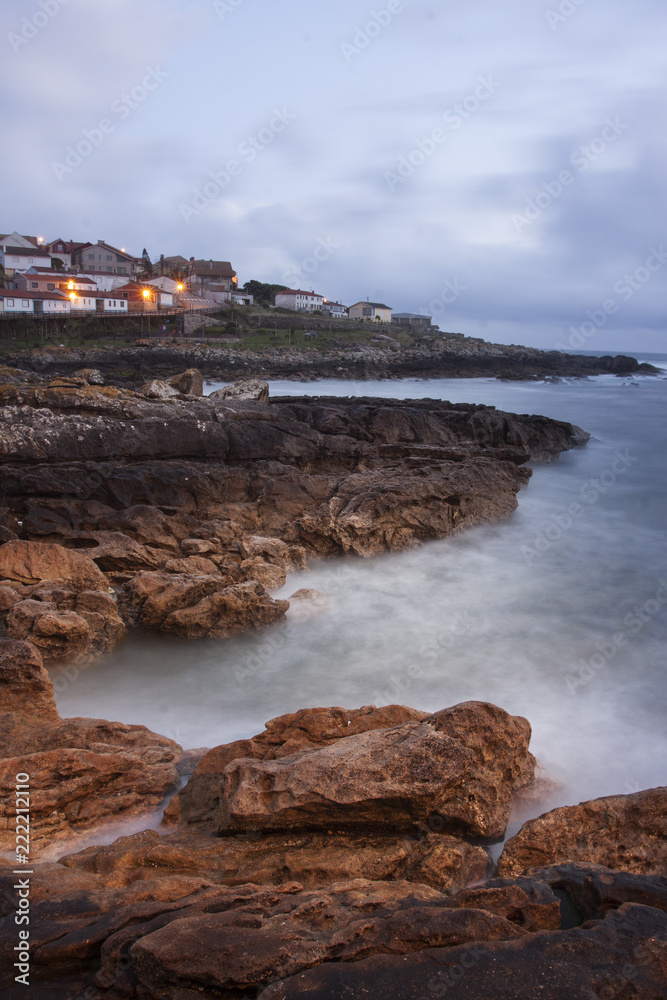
x,y
57,264
263,292
146,266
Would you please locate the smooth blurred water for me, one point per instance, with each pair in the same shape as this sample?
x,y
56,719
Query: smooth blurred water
x,y
553,635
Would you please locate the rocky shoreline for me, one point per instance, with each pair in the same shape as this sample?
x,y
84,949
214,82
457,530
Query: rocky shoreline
x,y
130,366
341,852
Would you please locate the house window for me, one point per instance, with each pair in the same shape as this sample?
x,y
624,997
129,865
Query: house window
x,y
366,312
34,284
15,260
91,256
122,270
108,257
50,286
10,302
25,303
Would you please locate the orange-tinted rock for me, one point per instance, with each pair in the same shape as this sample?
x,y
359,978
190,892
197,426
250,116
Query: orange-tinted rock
x,y
32,562
391,778
25,687
628,832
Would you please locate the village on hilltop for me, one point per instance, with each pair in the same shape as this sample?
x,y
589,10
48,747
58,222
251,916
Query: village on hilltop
x,y
63,278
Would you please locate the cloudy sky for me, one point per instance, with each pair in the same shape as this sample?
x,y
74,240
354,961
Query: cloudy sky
x,y
499,166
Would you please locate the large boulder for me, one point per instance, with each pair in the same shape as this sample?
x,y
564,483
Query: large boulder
x,y
191,382
389,779
627,832
158,389
25,686
35,562
195,606
249,389
58,600
84,773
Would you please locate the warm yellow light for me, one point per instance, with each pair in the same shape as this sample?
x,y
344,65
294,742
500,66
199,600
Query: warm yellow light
x,y
70,284
122,249
180,288
145,293
72,296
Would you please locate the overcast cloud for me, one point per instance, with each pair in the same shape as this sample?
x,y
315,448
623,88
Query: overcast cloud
x,y
501,166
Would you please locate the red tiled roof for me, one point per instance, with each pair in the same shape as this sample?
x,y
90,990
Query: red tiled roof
x,y
297,291
18,293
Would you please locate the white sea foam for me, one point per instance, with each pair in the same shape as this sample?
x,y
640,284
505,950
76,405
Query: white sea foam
x,y
474,617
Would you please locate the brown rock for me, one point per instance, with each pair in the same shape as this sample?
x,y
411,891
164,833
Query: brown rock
x,y
25,686
191,382
314,860
621,956
386,779
66,626
59,635
32,562
227,612
627,832
241,948
309,728
270,576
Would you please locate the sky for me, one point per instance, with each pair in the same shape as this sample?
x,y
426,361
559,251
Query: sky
x,y
497,166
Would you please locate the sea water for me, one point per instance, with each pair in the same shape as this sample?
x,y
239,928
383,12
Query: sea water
x,y
559,613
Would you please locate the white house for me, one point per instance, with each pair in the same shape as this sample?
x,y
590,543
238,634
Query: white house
x,y
95,301
298,300
15,258
34,303
334,309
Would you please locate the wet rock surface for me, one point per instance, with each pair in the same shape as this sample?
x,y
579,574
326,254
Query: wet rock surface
x,y
84,773
187,511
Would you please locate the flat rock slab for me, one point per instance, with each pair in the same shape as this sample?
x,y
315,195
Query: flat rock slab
x,y
624,955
